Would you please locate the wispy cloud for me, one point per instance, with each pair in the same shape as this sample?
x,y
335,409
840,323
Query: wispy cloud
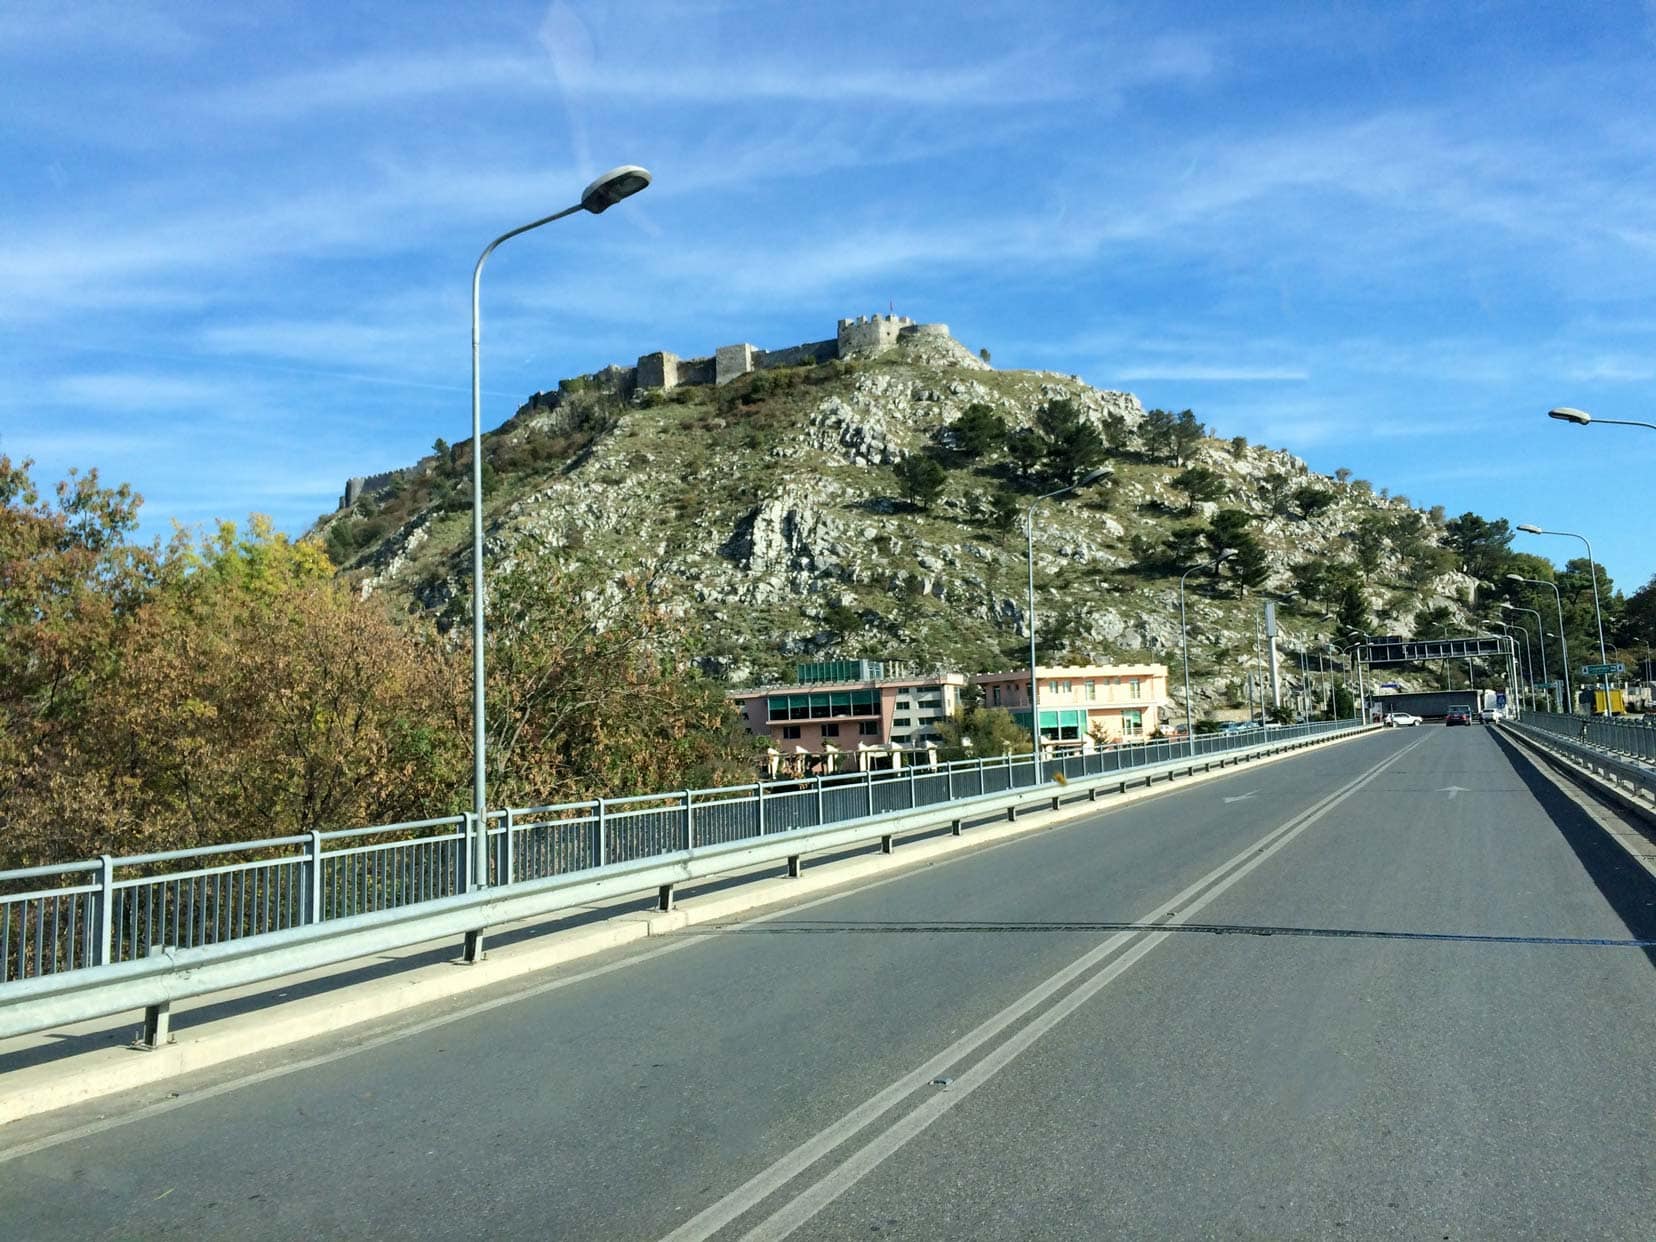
x,y
134,390
1210,373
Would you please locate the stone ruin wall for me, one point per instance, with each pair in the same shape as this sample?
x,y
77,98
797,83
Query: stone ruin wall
x,y
863,336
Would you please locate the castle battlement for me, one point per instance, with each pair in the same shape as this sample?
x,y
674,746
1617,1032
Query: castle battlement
x,y
864,336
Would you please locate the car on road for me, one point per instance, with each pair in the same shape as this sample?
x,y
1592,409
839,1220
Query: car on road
x,y
1238,726
1489,715
1461,715
1402,719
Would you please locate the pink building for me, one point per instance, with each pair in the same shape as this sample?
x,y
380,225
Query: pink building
x,y
844,703
1107,702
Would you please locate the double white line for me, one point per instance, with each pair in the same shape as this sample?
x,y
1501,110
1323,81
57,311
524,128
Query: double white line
x,y
1131,946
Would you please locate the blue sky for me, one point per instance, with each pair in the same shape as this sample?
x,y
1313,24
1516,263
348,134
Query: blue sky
x,y
238,239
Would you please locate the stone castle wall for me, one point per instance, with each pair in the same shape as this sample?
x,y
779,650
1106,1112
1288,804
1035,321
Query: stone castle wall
x,y
863,336
366,485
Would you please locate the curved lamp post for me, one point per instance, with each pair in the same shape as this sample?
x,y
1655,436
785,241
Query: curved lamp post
x,y
1086,480
1515,667
1592,573
1362,693
1184,635
1540,641
600,196
1567,414
1563,643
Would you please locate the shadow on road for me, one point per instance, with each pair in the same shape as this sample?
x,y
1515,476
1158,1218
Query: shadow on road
x,y
1625,884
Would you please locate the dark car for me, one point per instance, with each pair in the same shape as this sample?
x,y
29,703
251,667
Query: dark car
x,y
1458,715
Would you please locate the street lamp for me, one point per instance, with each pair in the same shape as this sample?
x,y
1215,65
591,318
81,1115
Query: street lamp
x,y
1592,572
1563,643
1184,634
600,196
1362,693
1514,668
1086,480
1540,641
1566,414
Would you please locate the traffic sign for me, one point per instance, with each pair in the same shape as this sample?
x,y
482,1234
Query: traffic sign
x,y
1600,670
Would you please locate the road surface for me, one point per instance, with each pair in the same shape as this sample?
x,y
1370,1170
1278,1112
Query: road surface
x,y
1389,988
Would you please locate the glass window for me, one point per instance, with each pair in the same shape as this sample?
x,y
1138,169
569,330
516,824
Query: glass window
x,y
830,730
777,706
996,693
1133,690
868,728
1092,691
839,703
790,733
901,722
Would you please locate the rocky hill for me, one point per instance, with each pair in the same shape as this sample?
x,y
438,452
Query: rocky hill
x,y
770,512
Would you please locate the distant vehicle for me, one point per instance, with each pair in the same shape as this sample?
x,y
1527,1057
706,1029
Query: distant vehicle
x,y
1489,715
1458,715
1238,726
1402,719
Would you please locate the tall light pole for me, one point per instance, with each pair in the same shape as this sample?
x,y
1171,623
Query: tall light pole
x,y
600,196
1514,669
1565,414
1086,480
1270,626
1540,641
1563,643
1362,693
1592,572
1184,635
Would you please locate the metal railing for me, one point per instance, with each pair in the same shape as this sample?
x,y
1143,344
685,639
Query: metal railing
x,y
1620,768
1634,739
71,916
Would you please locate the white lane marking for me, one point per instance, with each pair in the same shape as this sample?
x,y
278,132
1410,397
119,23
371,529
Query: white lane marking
x,y
1453,790
156,1109
769,1180
836,1182
1241,797
418,1028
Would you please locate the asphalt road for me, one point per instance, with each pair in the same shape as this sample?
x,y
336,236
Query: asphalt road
x,y
1375,990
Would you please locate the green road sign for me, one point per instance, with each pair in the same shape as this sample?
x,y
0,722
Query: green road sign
x,y
1600,670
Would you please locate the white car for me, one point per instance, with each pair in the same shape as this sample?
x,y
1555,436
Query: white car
x,y
1402,718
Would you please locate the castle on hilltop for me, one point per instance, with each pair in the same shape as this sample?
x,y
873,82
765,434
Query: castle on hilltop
x,y
863,336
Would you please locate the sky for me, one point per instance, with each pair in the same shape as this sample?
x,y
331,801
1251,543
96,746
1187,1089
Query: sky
x,y
236,241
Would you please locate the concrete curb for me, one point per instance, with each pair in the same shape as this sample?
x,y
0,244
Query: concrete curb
x,y
107,1070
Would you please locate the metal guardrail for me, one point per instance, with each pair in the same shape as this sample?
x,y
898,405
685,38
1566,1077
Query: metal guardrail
x,y
115,912
1628,737
1620,767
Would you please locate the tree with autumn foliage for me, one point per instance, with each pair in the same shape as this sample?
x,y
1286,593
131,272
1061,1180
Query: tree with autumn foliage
x,y
229,687
591,698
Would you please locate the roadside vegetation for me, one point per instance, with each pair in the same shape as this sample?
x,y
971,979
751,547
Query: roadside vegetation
x,y
230,687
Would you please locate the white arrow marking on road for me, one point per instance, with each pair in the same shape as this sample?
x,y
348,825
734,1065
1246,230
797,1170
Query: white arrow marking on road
x,y
1452,790
1242,797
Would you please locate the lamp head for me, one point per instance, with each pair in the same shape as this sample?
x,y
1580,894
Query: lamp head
x,y
1516,578
613,186
1529,528
1565,414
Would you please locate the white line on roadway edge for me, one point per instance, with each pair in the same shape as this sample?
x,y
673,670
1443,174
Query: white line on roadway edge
x,y
418,1028
819,1195
102,1124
